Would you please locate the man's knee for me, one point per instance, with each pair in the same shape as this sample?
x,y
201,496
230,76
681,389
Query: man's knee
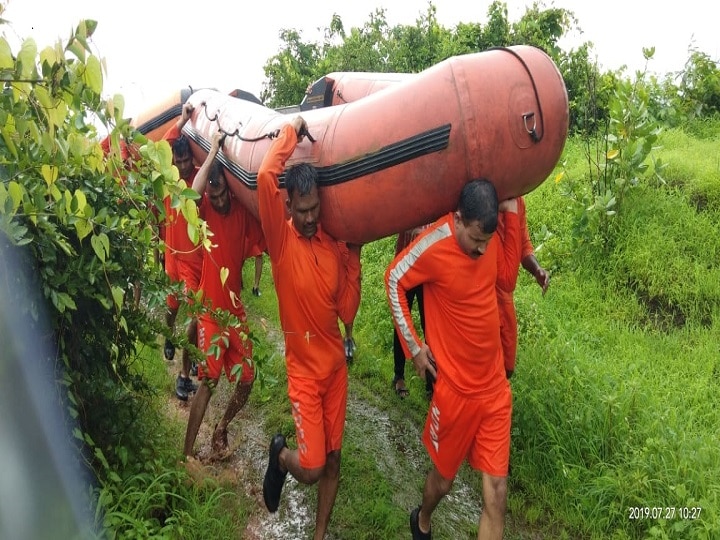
x,y
331,469
312,476
495,493
441,485
332,464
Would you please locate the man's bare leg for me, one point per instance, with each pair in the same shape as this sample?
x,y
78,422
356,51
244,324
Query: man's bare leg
x,y
237,402
258,271
327,477
192,339
492,519
197,412
327,491
436,487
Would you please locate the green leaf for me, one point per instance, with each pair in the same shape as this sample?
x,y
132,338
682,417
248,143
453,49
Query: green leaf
x,y
79,202
49,173
66,300
6,57
55,193
16,194
43,96
83,227
190,194
50,56
118,295
116,107
26,58
76,48
90,27
101,245
193,233
7,137
78,144
63,244
104,301
236,371
92,76
83,31
224,272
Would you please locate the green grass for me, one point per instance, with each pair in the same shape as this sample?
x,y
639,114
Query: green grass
x,y
614,395
694,165
150,495
608,416
612,409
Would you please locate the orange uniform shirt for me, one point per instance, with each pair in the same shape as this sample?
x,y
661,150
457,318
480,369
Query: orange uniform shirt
x,y
524,244
177,242
404,238
234,236
317,280
462,326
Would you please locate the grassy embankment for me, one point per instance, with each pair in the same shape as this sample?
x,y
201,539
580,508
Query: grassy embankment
x,y
616,386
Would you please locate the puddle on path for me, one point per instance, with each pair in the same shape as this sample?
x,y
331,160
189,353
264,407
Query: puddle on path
x,y
392,439
401,456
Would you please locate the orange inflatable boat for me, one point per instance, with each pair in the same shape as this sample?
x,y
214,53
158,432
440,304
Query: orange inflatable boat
x,y
345,87
154,122
399,157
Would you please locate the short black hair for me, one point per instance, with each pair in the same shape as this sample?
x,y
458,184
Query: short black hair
x,y
181,146
216,174
479,202
300,178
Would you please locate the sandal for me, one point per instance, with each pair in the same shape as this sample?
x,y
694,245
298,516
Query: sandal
x,y
401,391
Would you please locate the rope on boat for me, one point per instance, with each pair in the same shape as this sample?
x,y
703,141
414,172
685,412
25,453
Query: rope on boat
x,y
269,135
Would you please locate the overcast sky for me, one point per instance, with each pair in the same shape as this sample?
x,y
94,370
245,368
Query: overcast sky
x,y
153,48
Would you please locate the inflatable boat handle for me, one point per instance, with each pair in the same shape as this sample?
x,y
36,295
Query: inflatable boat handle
x,y
304,132
531,130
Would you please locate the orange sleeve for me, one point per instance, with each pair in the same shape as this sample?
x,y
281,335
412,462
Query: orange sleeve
x,y
407,270
527,247
349,295
271,206
172,134
255,240
508,258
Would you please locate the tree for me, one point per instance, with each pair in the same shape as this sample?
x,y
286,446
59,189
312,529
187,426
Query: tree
x,y
543,28
85,224
290,71
699,88
418,47
377,47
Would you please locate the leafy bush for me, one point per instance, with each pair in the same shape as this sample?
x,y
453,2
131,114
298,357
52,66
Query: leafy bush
x,y
85,224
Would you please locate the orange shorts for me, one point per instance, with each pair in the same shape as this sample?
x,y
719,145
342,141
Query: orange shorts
x,y
318,408
189,271
508,333
474,428
233,351
185,271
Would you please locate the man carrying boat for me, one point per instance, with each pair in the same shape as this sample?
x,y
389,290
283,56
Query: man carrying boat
x,y
223,339
458,261
183,259
317,280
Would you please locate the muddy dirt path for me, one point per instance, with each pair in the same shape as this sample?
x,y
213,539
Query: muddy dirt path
x,y
394,442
